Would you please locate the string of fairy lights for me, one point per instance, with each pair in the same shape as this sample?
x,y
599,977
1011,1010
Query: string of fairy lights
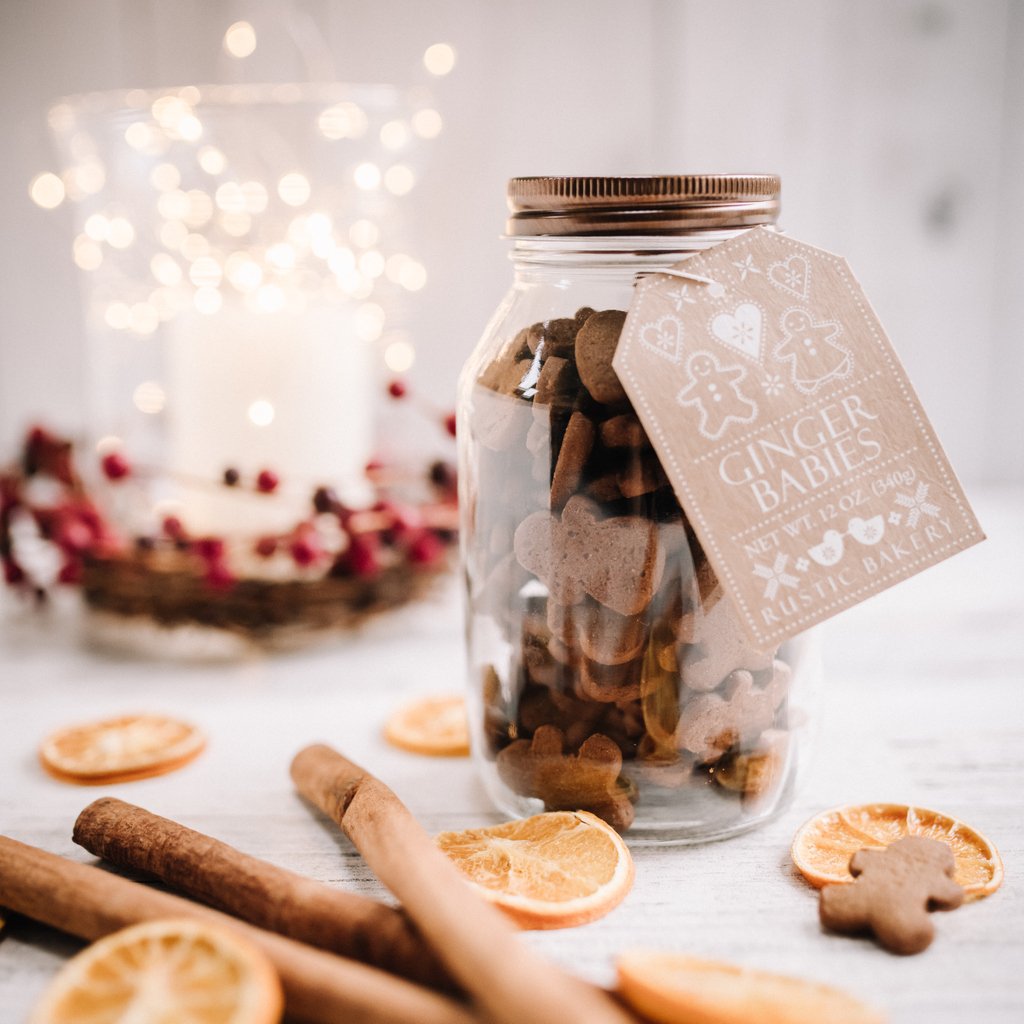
x,y
180,209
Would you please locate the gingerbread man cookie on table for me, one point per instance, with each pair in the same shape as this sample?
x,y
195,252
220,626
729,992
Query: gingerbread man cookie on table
x,y
714,391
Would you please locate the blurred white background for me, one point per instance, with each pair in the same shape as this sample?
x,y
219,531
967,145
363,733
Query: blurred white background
x,y
897,127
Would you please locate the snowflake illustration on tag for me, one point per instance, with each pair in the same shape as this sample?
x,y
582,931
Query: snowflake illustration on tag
x,y
714,391
745,266
918,505
776,576
773,385
681,298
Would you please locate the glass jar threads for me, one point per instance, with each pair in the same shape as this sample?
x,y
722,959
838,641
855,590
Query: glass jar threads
x,y
608,671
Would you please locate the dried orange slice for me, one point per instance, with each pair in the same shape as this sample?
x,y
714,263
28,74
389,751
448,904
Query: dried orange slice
x,y
823,846
184,971
672,988
553,870
431,725
120,749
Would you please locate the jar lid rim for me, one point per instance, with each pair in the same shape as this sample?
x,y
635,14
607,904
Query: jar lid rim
x,y
640,204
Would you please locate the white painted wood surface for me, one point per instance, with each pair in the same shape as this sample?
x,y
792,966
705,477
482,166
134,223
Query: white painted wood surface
x,y
923,703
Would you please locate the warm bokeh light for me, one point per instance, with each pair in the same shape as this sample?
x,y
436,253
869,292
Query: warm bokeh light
x,y
87,254
261,413
342,121
439,59
394,135
149,398
120,233
399,356
367,176
165,177
118,315
399,179
293,188
427,123
240,40
212,160
47,190
205,272
363,233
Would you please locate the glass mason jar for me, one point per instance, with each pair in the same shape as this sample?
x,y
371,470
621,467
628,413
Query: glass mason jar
x,y
608,671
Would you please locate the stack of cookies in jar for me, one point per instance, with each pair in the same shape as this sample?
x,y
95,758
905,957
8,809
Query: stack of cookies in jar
x,y
611,663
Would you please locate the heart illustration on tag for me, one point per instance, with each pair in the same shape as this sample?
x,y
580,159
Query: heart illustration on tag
x,y
740,330
664,336
830,550
866,531
792,275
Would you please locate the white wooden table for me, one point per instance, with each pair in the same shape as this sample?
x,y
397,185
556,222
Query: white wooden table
x,y
923,703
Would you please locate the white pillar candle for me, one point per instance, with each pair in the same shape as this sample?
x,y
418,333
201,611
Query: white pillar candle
x,y
291,393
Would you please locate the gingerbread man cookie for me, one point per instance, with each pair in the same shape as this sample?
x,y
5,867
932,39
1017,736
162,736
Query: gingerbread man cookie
x,y
711,723
585,781
721,648
812,351
892,892
714,391
561,552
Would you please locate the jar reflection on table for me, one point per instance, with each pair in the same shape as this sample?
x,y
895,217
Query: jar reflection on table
x,y
608,670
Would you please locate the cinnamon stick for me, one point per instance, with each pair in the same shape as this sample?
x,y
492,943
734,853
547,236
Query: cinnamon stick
x,y
476,942
319,988
263,894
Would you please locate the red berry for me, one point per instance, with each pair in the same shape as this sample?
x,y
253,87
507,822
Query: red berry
x,y
397,389
358,559
13,573
425,549
266,546
374,466
305,549
115,466
70,572
209,549
73,534
267,481
449,423
173,528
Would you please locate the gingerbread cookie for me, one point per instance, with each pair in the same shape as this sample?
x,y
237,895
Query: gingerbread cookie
x,y
641,475
721,648
608,684
892,892
585,781
755,774
577,443
595,347
553,337
711,723
616,561
623,431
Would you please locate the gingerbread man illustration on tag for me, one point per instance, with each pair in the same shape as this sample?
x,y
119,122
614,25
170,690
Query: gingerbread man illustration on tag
x,y
714,390
812,351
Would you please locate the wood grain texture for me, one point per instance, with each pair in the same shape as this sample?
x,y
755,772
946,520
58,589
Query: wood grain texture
x,y
923,703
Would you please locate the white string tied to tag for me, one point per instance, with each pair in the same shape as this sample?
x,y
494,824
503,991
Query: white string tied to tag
x,y
715,288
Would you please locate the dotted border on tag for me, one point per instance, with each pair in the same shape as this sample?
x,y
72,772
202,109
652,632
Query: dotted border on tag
x,y
911,401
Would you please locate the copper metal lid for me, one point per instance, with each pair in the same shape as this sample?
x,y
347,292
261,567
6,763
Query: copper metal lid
x,y
648,205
